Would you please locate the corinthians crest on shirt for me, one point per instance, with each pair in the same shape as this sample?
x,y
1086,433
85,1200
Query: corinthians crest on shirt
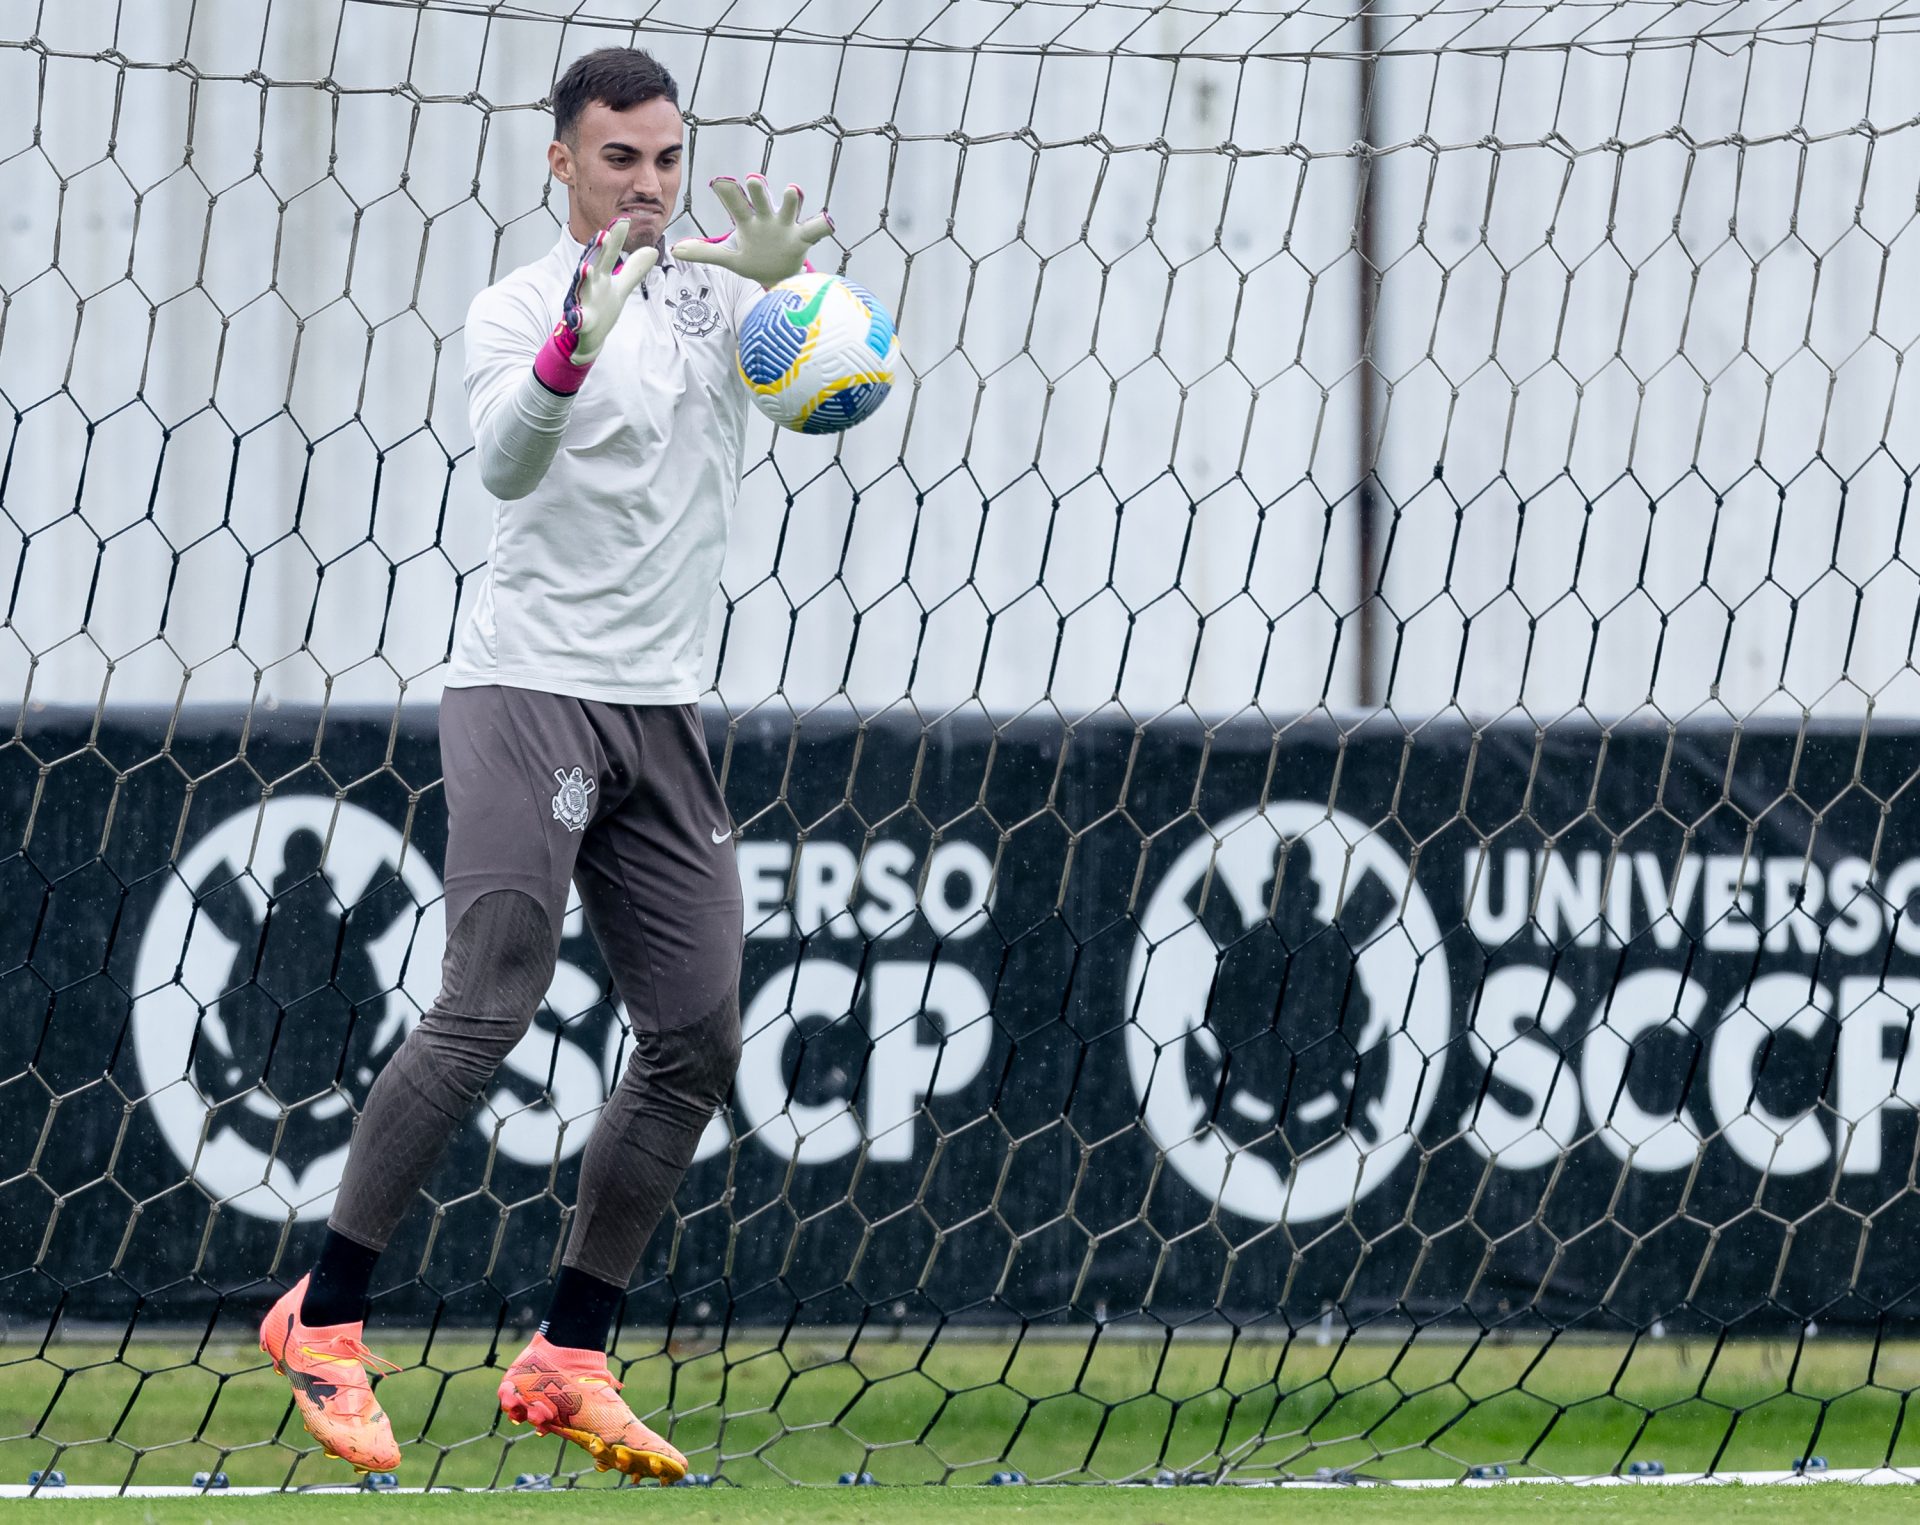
x,y
695,313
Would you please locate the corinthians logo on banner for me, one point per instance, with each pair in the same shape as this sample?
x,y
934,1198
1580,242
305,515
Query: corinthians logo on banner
x,y
1660,1026
300,941
1290,1022
1290,1118
1290,1012
282,966
287,959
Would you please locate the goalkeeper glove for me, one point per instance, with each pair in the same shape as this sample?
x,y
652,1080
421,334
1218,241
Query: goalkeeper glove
x,y
601,286
769,244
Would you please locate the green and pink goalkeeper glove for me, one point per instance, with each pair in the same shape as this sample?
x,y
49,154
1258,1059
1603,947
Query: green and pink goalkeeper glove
x,y
769,243
601,286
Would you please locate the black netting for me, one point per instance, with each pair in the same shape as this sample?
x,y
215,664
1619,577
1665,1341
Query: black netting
x,y
1323,794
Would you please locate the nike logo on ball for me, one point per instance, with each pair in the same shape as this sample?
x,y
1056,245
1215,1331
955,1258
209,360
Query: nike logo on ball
x,y
721,836
802,317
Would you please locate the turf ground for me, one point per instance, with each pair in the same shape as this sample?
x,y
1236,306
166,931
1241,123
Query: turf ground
x,y
1063,1506
955,1411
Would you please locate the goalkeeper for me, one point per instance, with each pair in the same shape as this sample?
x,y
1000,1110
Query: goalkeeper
x,y
608,421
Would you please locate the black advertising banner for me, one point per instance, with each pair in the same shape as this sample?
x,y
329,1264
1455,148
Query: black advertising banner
x,y
1571,1027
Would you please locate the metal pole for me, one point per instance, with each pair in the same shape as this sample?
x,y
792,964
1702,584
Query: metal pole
x,y
1367,528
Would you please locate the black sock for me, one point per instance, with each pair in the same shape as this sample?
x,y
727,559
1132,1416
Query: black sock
x,y
338,1292
581,1313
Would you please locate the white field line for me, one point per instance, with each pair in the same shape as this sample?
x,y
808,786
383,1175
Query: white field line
x,y
1872,1476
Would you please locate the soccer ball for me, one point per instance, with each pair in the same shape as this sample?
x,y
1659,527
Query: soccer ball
x,y
818,353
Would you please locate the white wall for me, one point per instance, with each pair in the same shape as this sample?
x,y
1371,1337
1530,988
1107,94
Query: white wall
x,y
1631,367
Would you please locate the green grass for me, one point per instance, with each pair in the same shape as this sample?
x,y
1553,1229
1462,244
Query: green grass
x,y
1062,1506
956,1410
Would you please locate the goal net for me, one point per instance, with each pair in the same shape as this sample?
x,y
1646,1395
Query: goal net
x,y
1323,795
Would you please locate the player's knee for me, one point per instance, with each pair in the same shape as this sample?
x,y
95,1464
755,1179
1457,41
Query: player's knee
x,y
704,1055
499,962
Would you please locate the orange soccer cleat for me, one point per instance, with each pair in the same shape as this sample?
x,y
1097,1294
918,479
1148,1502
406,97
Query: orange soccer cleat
x,y
330,1387
567,1392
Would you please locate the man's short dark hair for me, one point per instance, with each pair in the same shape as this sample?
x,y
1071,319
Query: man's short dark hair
x,y
621,78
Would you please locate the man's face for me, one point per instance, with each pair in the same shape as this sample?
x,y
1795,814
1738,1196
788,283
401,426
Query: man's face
x,y
621,164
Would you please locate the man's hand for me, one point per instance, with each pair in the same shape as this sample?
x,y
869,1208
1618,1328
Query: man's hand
x,y
601,286
771,242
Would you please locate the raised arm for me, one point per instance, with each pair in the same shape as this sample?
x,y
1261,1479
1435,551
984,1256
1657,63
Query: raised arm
x,y
768,242
518,412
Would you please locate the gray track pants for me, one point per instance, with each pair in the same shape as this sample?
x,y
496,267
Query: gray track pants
x,y
543,790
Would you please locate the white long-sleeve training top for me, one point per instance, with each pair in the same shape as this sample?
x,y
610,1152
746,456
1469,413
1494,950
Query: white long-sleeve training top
x,y
612,506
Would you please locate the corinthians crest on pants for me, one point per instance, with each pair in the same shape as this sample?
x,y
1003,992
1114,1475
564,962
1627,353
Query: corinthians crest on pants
x,y
571,805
